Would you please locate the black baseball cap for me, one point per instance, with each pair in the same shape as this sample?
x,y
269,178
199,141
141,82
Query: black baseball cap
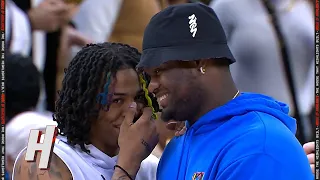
x,y
184,32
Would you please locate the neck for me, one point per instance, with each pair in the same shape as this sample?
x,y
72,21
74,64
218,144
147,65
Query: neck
x,y
108,150
216,96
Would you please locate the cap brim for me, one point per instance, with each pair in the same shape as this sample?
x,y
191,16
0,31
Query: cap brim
x,y
156,56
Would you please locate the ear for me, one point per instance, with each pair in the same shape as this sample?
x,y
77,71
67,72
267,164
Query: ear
x,y
200,66
202,63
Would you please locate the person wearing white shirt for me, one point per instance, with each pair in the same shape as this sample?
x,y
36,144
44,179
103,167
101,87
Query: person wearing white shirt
x,y
254,43
18,30
99,85
22,94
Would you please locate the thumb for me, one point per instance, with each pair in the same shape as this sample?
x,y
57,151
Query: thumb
x,y
171,125
309,147
128,119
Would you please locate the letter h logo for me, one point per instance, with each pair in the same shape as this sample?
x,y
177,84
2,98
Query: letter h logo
x,y
45,148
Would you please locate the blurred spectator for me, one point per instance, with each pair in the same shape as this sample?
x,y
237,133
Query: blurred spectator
x,y
96,18
47,17
69,37
132,20
46,41
43,16
85,21
18,30
258,49
22,85
119,20
22,93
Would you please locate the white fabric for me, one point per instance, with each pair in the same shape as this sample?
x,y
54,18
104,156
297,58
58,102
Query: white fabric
x,y
39,43
85,166
18,130
95,165
39,57
95,19
20,31
253,42
21,41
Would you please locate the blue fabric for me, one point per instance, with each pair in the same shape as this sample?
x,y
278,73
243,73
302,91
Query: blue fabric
x,y
249,138
6,176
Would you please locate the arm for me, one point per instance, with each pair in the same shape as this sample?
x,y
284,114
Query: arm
x,y
24,170
86,18
120,175
130,166
147,168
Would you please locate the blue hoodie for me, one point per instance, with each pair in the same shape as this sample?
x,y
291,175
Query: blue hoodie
x,y
249,138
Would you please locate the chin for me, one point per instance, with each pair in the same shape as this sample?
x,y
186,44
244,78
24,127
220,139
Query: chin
x,y
170,113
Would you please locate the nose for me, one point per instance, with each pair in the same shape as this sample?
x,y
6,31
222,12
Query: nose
x,y
153,85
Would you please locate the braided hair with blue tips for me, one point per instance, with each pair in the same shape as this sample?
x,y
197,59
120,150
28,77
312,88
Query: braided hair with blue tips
x,y
93,70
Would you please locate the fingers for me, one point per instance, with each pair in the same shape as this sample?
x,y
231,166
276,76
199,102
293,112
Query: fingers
x,y
309,147
171,125
311,158
309,150
60,9
146,116
57,7
53,1
130,114
178,127
312,168
181,132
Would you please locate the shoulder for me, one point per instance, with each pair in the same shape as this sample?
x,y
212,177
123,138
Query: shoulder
x,y
263,134
24,170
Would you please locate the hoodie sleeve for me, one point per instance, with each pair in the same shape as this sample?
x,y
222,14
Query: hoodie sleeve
x,y
262,167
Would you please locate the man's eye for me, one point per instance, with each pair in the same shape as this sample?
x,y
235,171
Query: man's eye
x,y
117,101
157,71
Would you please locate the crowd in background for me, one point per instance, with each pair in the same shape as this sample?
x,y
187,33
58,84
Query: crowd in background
x,y
272,40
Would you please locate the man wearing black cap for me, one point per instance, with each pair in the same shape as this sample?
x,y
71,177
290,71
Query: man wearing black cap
x,y
230,135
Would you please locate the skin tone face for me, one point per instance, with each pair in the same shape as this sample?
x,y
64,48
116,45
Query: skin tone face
x,y
177,89
105,130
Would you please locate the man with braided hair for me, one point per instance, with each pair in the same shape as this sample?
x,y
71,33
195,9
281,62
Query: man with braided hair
x,y
100,85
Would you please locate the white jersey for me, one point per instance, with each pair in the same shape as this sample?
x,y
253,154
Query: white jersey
x,y
254,44
97,165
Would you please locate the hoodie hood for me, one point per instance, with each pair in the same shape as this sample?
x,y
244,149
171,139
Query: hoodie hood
x,y
243,104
